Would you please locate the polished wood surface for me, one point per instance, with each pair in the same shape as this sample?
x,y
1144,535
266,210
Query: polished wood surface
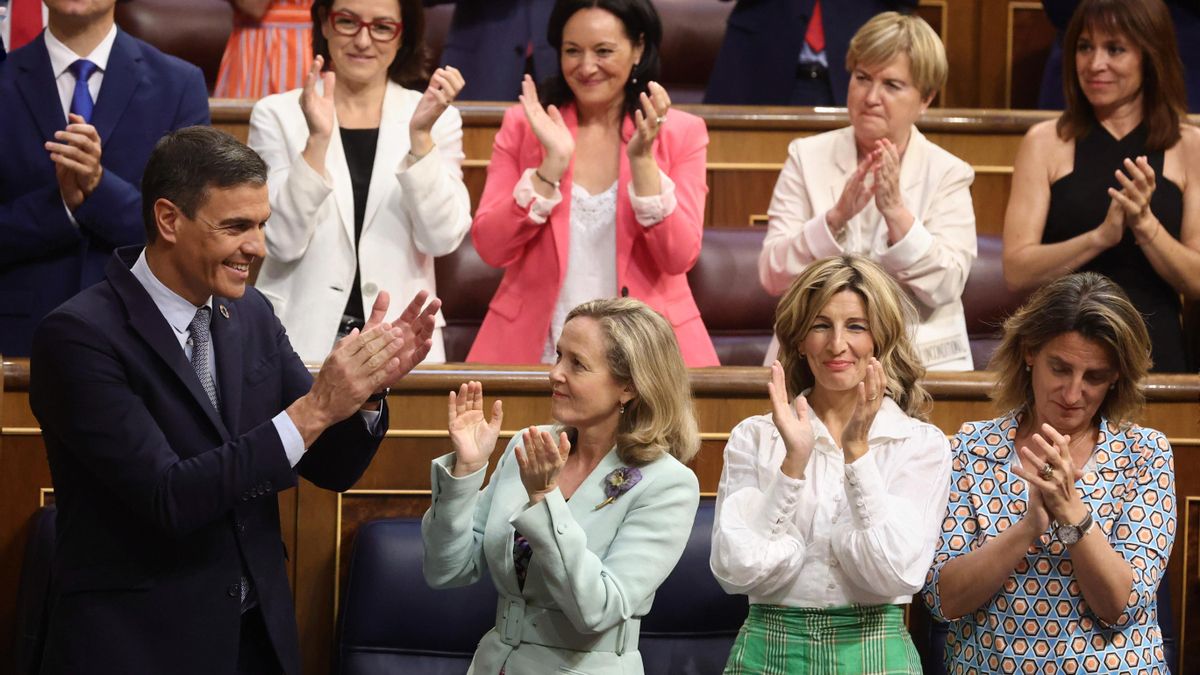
x,y
318,526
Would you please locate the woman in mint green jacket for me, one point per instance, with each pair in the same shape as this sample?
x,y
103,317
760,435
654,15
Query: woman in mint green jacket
x,y
581,520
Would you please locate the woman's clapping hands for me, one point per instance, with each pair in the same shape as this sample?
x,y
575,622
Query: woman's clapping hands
x,y
472,436
540,460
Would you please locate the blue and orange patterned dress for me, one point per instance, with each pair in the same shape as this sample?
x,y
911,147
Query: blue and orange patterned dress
x,y
1040,622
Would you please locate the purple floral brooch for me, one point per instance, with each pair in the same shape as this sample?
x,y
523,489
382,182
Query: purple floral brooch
x,y
619,481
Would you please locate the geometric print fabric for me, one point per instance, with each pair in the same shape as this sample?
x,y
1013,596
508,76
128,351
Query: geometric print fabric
x,y
1039,622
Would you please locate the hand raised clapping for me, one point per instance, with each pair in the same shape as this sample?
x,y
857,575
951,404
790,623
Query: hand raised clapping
x,y
471,434
793,424
551,131
76,153
540,460
870,397
318,106
444,87
1048,469
414,327
1137,188
649,120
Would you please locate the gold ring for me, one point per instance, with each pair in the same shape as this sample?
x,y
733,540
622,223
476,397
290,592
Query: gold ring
x,y
873,397
1047,471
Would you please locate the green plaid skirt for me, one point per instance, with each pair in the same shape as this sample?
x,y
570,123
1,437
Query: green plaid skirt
x,y
858,639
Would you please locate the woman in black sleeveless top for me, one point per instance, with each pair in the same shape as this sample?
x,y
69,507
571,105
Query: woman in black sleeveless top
x,y
1113,185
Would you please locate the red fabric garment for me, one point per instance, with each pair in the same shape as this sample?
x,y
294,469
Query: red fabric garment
x,y
815,35
26,17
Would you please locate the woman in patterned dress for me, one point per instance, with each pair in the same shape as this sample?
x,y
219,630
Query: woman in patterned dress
x,y
827,515
1062,510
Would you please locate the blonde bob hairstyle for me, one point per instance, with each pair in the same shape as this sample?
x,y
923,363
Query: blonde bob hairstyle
x,y
891,33
890,315
642,352
1093,306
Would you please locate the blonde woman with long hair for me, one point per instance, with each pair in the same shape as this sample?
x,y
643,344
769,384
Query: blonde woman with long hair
x,y
829,508
581,520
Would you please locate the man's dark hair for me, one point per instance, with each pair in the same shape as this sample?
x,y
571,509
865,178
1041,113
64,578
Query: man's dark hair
x,y
187,162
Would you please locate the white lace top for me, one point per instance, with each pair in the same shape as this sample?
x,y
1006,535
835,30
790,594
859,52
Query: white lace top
x,y
591,258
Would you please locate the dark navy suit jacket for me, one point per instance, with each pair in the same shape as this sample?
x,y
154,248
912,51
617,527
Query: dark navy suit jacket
x,y
44,258
763,39
488,40
159,497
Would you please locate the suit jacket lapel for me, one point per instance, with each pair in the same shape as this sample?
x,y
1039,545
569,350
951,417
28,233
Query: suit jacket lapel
x,y
339,175
390,149
121,78
36,84
148,322
227,346
560,220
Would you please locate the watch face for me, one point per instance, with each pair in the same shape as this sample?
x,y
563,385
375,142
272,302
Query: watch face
x,y
1068,534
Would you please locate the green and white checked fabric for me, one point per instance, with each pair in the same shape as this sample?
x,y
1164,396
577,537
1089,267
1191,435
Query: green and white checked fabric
x,y
799,640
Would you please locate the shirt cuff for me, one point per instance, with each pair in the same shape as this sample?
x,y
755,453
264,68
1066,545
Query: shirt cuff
x,y
866,493
906,252
289,435
651,210
371,418
528,198
70,216
780,501
820,240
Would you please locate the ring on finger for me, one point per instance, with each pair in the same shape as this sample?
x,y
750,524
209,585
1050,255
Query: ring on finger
x,y
1046,472
873,397
662,119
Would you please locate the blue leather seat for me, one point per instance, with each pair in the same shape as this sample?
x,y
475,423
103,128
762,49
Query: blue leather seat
x,y
392,622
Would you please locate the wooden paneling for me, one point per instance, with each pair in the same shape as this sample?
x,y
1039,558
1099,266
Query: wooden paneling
x,y
319,525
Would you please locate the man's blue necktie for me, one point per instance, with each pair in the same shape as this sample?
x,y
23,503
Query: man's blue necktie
x,y
81,101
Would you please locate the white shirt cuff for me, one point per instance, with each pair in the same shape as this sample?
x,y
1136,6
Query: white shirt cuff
x,y
70,216
779,505
289,435
906,252
820,240
528,198
651,210
866,493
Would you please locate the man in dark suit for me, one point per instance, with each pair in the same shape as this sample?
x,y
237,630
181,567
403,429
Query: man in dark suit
x,y
495,42
68,185
173,411
790,52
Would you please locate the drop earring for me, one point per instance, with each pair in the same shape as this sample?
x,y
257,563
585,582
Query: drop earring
x,y
621,410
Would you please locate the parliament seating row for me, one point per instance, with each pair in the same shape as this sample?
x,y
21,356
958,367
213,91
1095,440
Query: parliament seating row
x,y
197,30
737,311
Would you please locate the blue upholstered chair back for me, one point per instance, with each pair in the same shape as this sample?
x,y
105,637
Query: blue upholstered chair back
x,y
391,622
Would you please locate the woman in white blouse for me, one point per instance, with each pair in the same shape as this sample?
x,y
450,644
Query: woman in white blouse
x,y
880,189
829,509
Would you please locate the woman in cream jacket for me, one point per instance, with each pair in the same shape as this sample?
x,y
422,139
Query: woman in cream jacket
x,y
881,190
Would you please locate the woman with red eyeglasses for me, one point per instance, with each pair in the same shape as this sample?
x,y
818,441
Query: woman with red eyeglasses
x,y
365,173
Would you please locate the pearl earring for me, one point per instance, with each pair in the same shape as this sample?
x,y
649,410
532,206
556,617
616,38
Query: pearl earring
x,y
621,410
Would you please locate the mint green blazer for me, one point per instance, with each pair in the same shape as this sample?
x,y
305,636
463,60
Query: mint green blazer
x,y
593,573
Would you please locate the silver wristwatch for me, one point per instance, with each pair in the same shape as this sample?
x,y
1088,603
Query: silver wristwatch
x,y
1070,534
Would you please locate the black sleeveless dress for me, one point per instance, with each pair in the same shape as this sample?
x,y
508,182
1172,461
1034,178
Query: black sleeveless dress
x,y
1079,202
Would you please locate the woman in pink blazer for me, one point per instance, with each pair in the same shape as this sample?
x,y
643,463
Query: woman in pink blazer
x,y
600,198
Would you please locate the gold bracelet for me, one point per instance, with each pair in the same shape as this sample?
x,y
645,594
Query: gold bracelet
x,y
547,181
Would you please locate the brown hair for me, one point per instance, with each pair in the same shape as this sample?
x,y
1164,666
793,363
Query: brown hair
x,y
1093,306
642,352
889,311
410,67
1147,24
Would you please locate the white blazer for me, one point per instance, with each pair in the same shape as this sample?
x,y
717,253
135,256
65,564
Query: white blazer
x,y
931,263
413,214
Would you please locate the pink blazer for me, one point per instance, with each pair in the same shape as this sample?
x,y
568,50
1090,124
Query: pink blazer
x,y
652,263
